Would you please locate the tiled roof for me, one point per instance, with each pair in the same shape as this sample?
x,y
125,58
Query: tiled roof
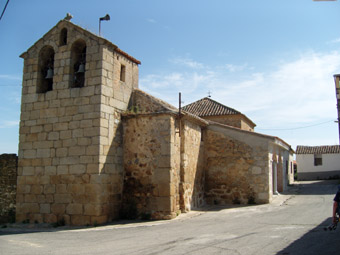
x,y
326,149
209,107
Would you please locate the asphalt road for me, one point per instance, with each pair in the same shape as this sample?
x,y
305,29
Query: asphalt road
x,y
292,224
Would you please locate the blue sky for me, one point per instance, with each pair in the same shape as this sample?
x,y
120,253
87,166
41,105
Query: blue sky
x,y
272,60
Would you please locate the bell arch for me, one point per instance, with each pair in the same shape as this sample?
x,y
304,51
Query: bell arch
x,y
78,63
45,69
63,37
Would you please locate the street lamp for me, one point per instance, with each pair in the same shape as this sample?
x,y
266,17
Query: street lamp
x,y
337,93
106,17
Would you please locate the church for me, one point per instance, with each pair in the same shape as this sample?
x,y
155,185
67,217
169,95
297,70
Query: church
x,y
93,147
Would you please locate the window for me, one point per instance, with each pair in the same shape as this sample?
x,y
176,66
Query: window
x,y
78,63
122,73
317,159
63,37
46,70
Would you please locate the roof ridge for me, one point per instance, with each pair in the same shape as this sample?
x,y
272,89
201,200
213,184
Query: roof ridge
x,y
209,107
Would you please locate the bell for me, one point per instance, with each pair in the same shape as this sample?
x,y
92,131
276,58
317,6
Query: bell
x,y
81,68
49,74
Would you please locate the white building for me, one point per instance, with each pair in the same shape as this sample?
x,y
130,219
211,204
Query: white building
x,y
318,162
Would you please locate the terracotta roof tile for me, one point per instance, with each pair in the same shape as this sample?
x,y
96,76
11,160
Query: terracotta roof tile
x,y
209,107
326,149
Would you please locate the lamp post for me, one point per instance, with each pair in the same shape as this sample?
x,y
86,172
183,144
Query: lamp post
x,y
337,93
107,17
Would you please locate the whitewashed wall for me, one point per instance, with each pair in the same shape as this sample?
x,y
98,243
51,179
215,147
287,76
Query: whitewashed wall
x,y
307,171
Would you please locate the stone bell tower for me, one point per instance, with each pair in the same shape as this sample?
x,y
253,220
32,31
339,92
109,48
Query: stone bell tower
x,y
75,87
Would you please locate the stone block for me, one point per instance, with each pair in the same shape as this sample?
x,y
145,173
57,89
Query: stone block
x,y
76,151
164,161
45,208
92,210
163,203
74,209
60,126
50,170
66,134
28,154
76,189
58,209
62,170
92,150
61,188
67,179
93,189
92,169
76,133
256,170
80,220
23,189
21,180
32,179
163,189
28,208
61,152
62,198
27,171
50,218
42,145
55,179
37,189
69,160
36,218
53,136
49,189
29,198
70,142
161,175
91,132
99,219
100,178
44,179
77,169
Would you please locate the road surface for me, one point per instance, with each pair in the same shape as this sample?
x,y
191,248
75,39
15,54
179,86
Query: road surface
x,y
292,224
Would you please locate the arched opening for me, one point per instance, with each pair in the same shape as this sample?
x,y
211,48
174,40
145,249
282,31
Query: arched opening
x,y
45,70
78,63
63,37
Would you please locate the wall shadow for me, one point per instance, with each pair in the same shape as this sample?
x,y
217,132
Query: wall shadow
x,y
320,187
316,241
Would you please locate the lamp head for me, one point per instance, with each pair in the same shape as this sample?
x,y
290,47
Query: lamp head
x,y
107,17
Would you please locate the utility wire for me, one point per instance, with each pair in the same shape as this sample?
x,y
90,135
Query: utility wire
x,y
318,124
2,14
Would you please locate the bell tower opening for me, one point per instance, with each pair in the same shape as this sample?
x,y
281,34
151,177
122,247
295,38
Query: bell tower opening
x,y
63,37
46,70
78,63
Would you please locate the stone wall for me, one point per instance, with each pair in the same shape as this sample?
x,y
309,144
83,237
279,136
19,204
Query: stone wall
x,y
192,166
151,166
236,166
8,185
236,120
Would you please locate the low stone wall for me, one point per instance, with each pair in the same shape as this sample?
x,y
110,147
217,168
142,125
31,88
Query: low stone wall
x,y
8,186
